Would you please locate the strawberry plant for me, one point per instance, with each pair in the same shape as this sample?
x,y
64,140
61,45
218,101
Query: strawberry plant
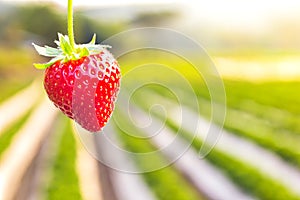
x,y
63,180
81,80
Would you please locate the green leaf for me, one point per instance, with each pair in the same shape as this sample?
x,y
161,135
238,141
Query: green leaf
x,y
39,49
57,43
65,44
66,52
47,51
93,41
52,51
43,65
39,66
48,64
84,52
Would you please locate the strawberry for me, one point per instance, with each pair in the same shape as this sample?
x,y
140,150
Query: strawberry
x,y
82,81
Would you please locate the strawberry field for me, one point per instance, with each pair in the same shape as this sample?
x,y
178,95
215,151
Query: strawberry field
x,y
257,156
189,122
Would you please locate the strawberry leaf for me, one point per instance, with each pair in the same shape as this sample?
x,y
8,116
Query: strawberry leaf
x,y
66,52
39,65
47,51
57,42
84,52
43,65
65,45
48,64
93,41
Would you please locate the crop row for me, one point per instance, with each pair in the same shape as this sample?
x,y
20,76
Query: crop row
x,y
250,179
267,127
247,177
166,183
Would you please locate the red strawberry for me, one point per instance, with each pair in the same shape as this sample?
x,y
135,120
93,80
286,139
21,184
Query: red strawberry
x,y
83,83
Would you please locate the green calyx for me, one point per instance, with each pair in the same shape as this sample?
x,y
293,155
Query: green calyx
x,y
66,52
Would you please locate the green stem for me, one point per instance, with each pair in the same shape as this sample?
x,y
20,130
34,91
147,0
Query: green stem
x,y
70,24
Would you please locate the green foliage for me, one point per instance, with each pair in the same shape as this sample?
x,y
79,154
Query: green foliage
x,y
40,20
10,87
64,183
14,75
8,58
282,142
266,113
281,95
253,124
250,179
272,128
66,52
85,27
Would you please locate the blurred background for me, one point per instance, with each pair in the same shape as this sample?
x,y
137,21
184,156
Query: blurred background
x,y
255,46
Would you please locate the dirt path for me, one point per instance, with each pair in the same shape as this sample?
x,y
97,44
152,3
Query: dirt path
x,y
124,185
88,174
254,155
205,177
16,106
25,146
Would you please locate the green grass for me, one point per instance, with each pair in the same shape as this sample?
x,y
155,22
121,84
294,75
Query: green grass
x,y
64,183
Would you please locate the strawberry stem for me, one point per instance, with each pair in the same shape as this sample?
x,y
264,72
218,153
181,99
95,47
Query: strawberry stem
x,y
70,24
67,48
